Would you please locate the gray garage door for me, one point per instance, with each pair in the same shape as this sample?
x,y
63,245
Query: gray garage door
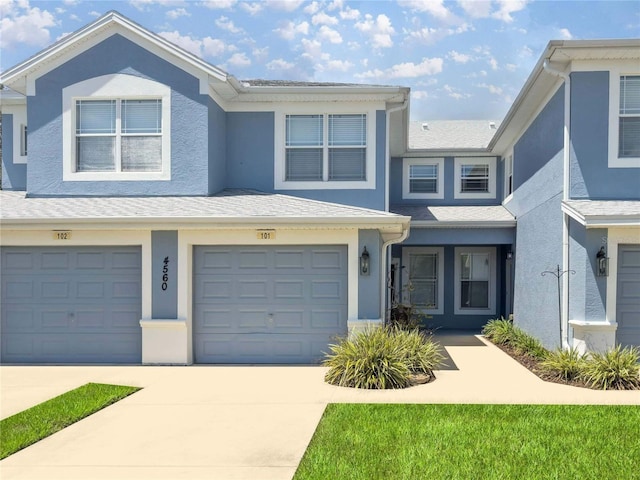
x,y
268,304
71,305
628,292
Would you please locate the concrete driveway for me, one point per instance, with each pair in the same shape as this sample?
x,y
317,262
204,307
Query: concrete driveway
x,y
228,422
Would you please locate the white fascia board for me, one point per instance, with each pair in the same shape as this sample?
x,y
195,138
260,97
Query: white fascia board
x,y
601,221
90,35
476,224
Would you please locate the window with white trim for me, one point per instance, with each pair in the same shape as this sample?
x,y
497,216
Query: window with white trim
x,y
326,148
475,278
423,280
629,117
423,178
116,127
119,135
475,177
508,175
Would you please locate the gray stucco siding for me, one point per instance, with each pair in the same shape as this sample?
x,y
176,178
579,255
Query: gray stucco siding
x,y
369,300
217,127
591,176
117,55
14,177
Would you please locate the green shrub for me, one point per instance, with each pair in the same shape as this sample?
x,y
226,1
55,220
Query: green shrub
x,y
563,364
525,344
380,358
499,331
616,369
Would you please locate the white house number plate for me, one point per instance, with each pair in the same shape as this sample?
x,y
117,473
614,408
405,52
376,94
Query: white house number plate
x,y
266,234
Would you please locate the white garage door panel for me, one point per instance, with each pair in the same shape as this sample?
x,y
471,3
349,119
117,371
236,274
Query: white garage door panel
x,y
628,295
268,305
71,304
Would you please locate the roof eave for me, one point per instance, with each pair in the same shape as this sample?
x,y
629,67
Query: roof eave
x,y
463,224
601,221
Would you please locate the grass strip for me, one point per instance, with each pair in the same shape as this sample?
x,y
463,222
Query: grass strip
x,y
373,441
29,426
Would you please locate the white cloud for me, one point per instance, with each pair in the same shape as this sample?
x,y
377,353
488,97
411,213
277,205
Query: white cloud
x,y
494,89
74,17
476,8
93,13
177,13
28,26
379,30
349,14
510,67
455,93
239,60
142,4
313,49
430,35
336,5
565,34
330,35
280,64
323,19
260,54
428,66
339,65
251,8
435,8
419,94
219,4
289,30
507,7
284,5
312,8
459,57
213,47
494,63
227,24
193,45
526,52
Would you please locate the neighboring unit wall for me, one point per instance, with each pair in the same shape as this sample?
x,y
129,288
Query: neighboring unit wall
x,y
217,148
538,181
591,176
117,55
14,176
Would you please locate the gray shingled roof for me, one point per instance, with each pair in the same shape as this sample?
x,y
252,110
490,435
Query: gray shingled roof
x,y
227,207
260,82
604,212
461,216
451,134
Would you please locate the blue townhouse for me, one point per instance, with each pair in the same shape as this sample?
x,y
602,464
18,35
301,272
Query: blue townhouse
x,y
155,209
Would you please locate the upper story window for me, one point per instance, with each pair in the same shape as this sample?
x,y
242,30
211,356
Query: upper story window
x,y
475,177
116,127
423,178
119,135
624,116
629,121
325,151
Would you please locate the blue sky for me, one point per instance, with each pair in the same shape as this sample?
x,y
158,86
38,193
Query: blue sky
x,y
464,59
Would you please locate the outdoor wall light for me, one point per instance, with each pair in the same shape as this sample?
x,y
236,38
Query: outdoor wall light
x,y
364,262
602,263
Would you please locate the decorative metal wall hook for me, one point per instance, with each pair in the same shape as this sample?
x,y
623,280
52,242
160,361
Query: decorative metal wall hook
x,y
558,274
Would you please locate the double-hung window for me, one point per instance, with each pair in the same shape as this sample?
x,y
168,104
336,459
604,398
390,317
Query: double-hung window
x,y
423,178
333,150
423,287
119,135
629,117
475,177
326,148
475,277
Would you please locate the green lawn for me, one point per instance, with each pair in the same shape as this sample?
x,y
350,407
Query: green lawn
x,y
29,426
365,441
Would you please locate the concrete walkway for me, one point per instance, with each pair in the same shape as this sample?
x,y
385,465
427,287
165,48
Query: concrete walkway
x,y
218,422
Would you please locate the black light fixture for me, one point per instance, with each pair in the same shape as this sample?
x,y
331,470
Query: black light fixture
x,y
602,263
364,262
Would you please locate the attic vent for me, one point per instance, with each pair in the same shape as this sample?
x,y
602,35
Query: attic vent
x,y
425,127
492,125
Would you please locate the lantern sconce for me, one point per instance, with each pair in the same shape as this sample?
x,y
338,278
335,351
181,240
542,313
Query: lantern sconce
x,y
602,263
364,262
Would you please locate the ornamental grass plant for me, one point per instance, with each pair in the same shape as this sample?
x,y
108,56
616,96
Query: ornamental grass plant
x,y
381,358
563,364
616,369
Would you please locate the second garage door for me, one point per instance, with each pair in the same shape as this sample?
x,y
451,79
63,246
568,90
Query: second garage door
x,y
268,304
628,301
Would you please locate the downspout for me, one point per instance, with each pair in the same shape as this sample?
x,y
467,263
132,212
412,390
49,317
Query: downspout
x,y
383,261
387,169
564,334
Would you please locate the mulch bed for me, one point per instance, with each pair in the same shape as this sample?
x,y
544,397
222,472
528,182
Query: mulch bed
x,y
533,364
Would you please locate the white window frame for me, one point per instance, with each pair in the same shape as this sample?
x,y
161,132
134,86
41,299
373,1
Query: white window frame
x,y
406,252
19,123
491,309
406,180
280,182
614,116
508,175
459,162
114,87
